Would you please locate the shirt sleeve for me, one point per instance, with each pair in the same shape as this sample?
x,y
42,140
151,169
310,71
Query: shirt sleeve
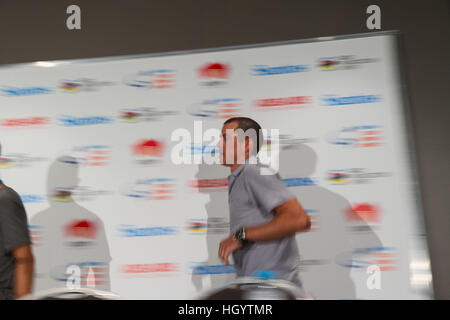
x,y
268,190
13,223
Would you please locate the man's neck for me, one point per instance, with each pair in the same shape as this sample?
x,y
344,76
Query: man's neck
x,y
234,167
247,160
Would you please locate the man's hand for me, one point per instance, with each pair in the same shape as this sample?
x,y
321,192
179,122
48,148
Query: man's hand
x,y
227,246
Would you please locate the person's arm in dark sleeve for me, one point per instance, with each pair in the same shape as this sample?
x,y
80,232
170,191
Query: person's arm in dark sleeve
x,y
17,241
23,272
272,194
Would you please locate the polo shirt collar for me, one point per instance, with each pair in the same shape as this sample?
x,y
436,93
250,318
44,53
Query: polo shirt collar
x,y
251,159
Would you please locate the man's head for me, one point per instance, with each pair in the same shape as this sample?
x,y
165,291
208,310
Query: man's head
x,y
241,138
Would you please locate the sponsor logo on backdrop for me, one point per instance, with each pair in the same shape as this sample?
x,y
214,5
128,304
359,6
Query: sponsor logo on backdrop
x,y
198,148
131,231
353,176
363,212
216,108
264,70
201,268
82,85
148,151
357,136
62,194
6,161
8,91
335,100
72,121
210,226
93,273
36,234
19,160
149,270
28,122
151,79
285,142
300,182
80,193
81,229
89,155
84,193
386,258
145,114
328,64
214,74
363,217
209,185
285,103
150,189
344,62
80,233
196,226
32,198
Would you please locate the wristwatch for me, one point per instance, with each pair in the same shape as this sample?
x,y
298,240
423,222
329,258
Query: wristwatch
x,y
240,236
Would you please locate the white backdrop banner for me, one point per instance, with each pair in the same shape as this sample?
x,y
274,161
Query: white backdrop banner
x,y
89,146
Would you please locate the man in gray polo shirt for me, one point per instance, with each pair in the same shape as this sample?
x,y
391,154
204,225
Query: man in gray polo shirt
x,y
16,258
264,214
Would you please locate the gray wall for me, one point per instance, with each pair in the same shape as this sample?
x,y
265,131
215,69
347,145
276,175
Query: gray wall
x,y
35,30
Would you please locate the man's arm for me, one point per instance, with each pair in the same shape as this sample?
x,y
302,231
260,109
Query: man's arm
x,y
289,219
23,271
271,195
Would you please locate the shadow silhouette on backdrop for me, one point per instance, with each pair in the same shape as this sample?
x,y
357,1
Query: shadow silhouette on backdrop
x,y
214,183
69,241
330,236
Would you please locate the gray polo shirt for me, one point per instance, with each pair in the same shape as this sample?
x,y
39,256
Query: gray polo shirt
x,y
13,234
252,197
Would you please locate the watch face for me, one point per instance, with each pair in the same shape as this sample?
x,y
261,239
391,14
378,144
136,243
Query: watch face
x,y
240,235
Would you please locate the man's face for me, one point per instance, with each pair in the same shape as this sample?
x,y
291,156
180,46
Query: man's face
x,y
231,148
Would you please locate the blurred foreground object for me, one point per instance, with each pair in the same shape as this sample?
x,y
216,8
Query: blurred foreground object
x,y
72,294
250,288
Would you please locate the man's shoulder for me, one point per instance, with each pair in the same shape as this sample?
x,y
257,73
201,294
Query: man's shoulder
x,y
8,194
258,169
